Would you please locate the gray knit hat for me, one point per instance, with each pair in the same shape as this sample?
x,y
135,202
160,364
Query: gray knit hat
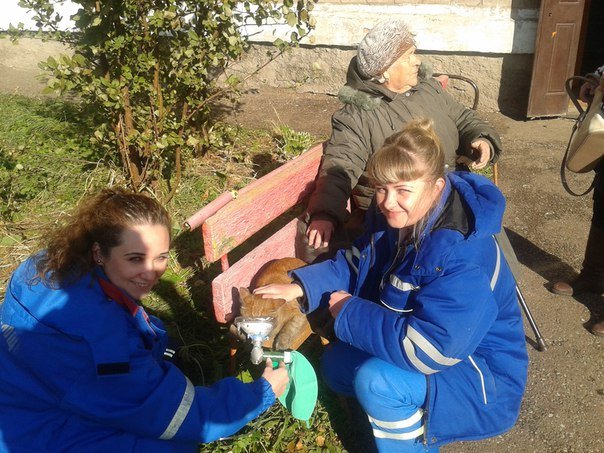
x,y
382,46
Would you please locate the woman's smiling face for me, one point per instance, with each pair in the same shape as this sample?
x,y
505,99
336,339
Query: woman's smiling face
x,y
137,263
405,203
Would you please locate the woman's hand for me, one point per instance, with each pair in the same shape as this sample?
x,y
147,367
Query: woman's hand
x,y
337,300
276,377
319,233
482,150
587,91
288,291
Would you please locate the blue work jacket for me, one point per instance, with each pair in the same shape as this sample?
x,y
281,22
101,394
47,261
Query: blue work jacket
x,y
79,372
444,306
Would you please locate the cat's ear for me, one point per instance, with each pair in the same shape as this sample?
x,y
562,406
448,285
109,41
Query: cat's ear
x,y
244,294
245,301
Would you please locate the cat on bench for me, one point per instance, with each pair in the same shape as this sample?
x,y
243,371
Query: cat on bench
x,y
290,322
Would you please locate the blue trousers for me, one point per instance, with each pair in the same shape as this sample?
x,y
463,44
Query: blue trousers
x,y
391,397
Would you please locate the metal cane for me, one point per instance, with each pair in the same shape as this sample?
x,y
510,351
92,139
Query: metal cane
x,y
510,256
540,341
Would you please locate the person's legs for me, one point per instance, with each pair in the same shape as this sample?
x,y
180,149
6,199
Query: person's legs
x,y
593,264
339,365
393,400
591,278
391,397
597,247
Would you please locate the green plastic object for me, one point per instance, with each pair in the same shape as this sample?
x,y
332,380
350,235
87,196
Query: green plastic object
x,y
300,396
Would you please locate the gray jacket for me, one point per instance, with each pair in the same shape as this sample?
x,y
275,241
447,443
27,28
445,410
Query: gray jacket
x,y
371,113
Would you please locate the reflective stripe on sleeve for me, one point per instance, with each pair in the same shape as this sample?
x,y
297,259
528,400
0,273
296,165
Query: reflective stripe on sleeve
x,y
417,363
403,286
10,336
181,412
415,339
497,266
398,310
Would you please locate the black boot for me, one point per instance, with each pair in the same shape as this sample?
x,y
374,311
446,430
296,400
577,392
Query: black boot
x,y
591,278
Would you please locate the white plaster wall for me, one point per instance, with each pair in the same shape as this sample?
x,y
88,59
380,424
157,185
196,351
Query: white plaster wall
x,y
443,28
438,27
485,44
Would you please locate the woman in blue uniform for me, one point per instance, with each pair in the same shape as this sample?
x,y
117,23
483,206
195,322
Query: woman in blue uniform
x,y
430,336
81,363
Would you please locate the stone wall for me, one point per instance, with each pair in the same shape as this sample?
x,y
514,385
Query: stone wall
x,y
489,41
503,80
476,3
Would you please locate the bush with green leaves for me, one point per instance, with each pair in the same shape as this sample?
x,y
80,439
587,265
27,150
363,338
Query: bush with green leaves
x,y
291,143
150,69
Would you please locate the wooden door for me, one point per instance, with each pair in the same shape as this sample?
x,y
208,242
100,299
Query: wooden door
x,y
558,36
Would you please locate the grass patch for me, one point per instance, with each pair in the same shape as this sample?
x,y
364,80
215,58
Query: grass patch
x,y
46,165
48,162
45,158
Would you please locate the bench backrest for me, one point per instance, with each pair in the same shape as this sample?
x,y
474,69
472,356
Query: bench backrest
x,y
254,207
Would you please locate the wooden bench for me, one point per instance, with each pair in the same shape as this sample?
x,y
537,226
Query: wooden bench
x,y
234,217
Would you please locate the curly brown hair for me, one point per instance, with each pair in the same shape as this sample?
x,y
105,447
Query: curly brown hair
x,y
100,218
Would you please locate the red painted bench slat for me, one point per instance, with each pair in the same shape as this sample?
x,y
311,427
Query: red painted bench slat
x,y
224,286
259,203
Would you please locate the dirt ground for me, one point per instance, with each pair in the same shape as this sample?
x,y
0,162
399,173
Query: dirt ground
x,y
563,410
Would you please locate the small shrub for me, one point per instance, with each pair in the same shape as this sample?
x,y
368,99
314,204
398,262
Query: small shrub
x,y
290,142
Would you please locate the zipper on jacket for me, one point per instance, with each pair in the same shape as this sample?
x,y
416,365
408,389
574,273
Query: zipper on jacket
x,y
427,412
366,267
390,268
400,247
372,251
368,264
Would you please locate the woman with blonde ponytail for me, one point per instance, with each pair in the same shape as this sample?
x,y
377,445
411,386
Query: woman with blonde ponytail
x,y
416,154
429,332
83,367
